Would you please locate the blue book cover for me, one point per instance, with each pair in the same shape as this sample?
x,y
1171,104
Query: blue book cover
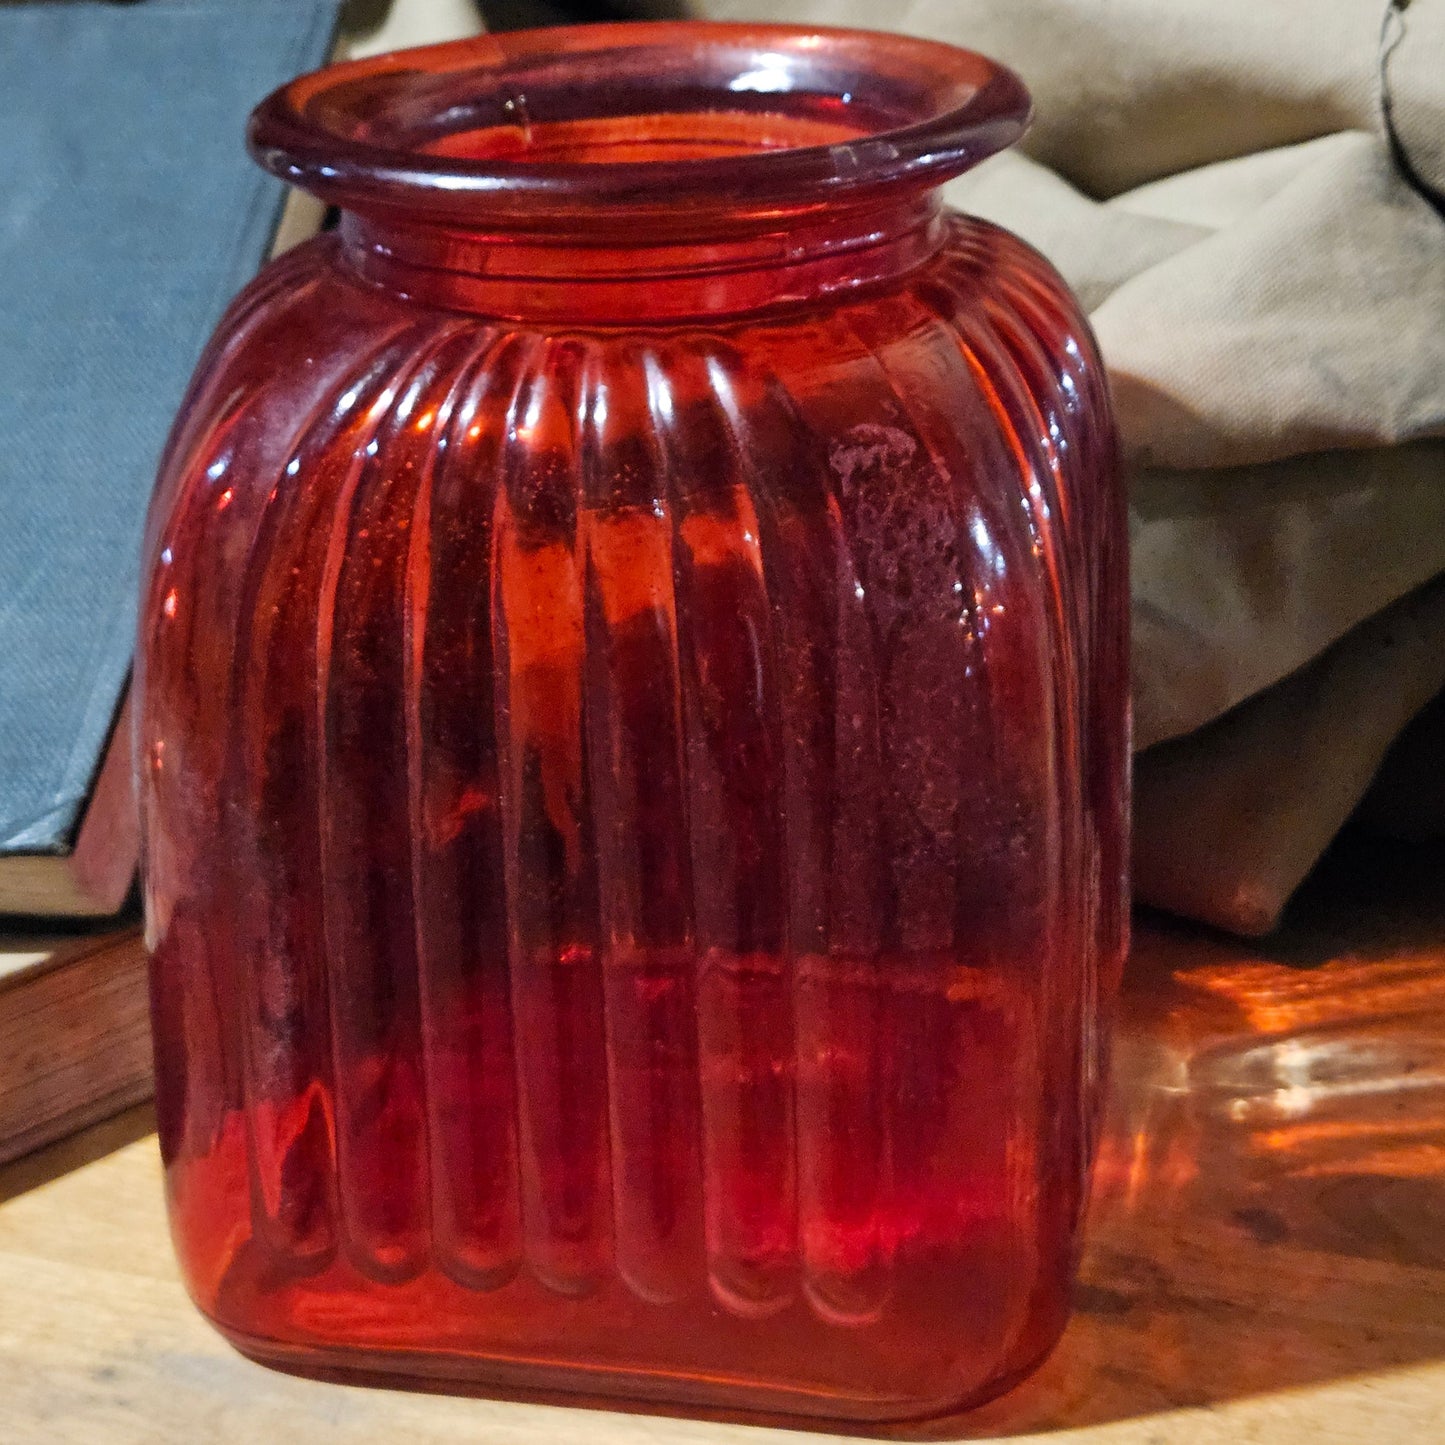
x,y
129,216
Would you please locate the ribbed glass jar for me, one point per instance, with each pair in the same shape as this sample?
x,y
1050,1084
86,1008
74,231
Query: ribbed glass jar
x,y
633,731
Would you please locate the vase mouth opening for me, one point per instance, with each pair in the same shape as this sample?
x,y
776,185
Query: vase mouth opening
x,y
689,126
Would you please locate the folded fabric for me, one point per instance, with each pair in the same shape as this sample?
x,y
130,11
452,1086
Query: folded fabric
x,y
373,27
1228,820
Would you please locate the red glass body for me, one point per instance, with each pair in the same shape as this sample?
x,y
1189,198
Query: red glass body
x,y
632,721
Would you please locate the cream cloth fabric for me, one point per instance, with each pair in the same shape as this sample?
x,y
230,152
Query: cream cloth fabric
x,y
1269,297
372,27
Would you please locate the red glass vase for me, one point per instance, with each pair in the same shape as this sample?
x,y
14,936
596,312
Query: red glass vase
x,y
633,729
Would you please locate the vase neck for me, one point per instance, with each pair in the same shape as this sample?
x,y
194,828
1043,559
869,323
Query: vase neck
x,y
536,277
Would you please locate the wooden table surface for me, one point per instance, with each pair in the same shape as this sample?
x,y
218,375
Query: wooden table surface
x,y
1266,1245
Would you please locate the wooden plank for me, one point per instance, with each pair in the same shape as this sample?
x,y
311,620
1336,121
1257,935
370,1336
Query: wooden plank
x,y
74,1037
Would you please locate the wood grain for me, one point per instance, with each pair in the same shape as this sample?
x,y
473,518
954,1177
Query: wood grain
x,y
74,1037
1265,1260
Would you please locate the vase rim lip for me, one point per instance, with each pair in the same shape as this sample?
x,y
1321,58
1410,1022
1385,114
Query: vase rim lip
x,y
900,114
